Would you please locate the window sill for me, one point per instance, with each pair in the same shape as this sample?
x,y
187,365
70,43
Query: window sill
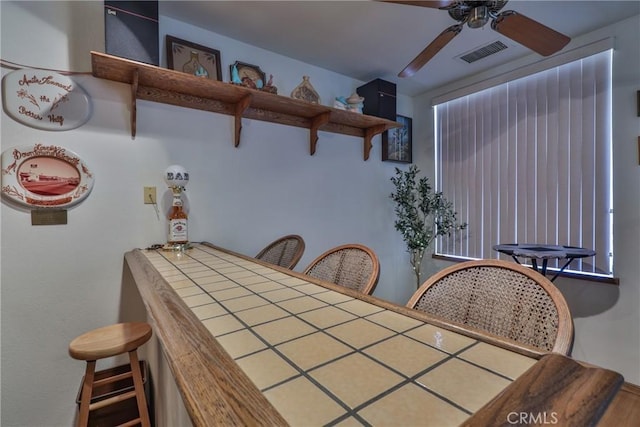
x,y
569,275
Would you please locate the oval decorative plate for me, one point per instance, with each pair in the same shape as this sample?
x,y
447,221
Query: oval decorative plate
x,y
44,100
44,176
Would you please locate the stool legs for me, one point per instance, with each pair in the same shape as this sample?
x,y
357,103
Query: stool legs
x,y
139,387
87,391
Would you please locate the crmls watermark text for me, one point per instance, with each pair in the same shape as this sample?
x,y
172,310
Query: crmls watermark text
x,y
528,418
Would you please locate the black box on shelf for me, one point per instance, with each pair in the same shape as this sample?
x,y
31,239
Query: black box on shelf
x,y
131,30
379,98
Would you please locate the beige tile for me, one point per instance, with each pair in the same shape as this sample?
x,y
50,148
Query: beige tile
x,y
292,281
440,338
237,273
283,330
405,355
281,294
226,294
359,333
203,274
276,275
266,368
332,297
262,314
468,386
310,289
265,287
195,269
196,300
213,279
302,404
395,321
359,308
299,305
497,359
251,280
240,343
313,350
180,283
244,303
412,406
355,379
188,291
326,317
222,324
349,422
208,310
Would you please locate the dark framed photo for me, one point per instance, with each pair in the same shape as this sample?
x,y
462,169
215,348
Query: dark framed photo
x,y
247,75
396,143
193,58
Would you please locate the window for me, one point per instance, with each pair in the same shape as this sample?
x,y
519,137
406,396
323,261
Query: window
x,y
529,161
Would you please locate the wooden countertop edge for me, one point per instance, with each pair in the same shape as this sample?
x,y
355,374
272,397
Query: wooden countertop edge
x,y
221,396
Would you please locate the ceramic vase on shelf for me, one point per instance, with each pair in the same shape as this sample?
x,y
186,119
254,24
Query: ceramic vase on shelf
x,y
306,92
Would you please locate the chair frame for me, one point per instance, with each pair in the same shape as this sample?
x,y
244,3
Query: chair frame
x,y
370,285
297,255
565,329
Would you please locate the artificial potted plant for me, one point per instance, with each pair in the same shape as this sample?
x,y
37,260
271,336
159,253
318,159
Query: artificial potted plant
x,y
422,215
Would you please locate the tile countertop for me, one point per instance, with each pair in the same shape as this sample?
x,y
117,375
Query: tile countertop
x,y
322,357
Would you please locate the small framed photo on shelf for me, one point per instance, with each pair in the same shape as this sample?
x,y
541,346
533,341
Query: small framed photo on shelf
x,y
396,143
247,75
193,58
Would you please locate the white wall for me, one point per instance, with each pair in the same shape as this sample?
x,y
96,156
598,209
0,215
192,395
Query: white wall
x,y
607,317
59,281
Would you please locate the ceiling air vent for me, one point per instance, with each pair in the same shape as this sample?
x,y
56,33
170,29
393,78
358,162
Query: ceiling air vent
x,y
483,52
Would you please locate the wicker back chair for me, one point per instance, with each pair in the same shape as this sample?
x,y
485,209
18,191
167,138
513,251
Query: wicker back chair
x,y
353,266
502,298
285,251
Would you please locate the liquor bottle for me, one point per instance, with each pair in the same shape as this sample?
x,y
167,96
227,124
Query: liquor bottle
x,y
177,178
178,234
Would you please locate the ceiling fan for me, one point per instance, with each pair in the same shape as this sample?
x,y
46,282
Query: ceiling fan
x,y
476,14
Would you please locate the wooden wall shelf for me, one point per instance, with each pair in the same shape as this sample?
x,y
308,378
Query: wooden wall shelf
x,y
156,84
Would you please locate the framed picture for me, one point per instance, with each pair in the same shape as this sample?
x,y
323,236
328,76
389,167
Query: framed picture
x,y
193,58
247,75
396,143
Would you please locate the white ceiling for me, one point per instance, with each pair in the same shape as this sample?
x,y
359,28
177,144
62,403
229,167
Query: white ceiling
x,y
370,39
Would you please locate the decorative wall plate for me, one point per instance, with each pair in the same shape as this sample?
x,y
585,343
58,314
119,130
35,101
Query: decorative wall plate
x,y
45,100
44,176
247,75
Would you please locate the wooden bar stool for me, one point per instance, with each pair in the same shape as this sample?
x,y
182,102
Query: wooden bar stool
x,y
106,342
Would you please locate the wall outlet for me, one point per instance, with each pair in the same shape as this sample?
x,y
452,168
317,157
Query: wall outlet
x,y
150,195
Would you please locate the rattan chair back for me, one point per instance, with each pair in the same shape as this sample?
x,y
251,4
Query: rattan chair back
x,y
353,266
285,251
502,298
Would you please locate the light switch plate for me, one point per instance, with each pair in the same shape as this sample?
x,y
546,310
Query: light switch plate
x,y
149,195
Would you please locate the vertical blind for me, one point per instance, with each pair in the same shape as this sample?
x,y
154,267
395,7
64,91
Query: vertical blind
x,y
529,161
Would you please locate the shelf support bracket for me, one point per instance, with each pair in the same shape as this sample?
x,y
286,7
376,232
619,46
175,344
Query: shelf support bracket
x,y
316,122
134,97
241,107
369,133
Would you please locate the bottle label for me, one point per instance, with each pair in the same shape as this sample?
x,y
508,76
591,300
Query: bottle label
x,y
178,230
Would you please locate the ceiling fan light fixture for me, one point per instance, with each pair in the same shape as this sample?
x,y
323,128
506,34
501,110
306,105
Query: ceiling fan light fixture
x,y
478,17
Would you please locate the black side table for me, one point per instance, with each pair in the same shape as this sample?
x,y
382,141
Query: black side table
x,y
536,252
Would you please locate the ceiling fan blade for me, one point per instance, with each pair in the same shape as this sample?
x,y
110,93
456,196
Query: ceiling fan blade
x,y
529,33
434,4
430,51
